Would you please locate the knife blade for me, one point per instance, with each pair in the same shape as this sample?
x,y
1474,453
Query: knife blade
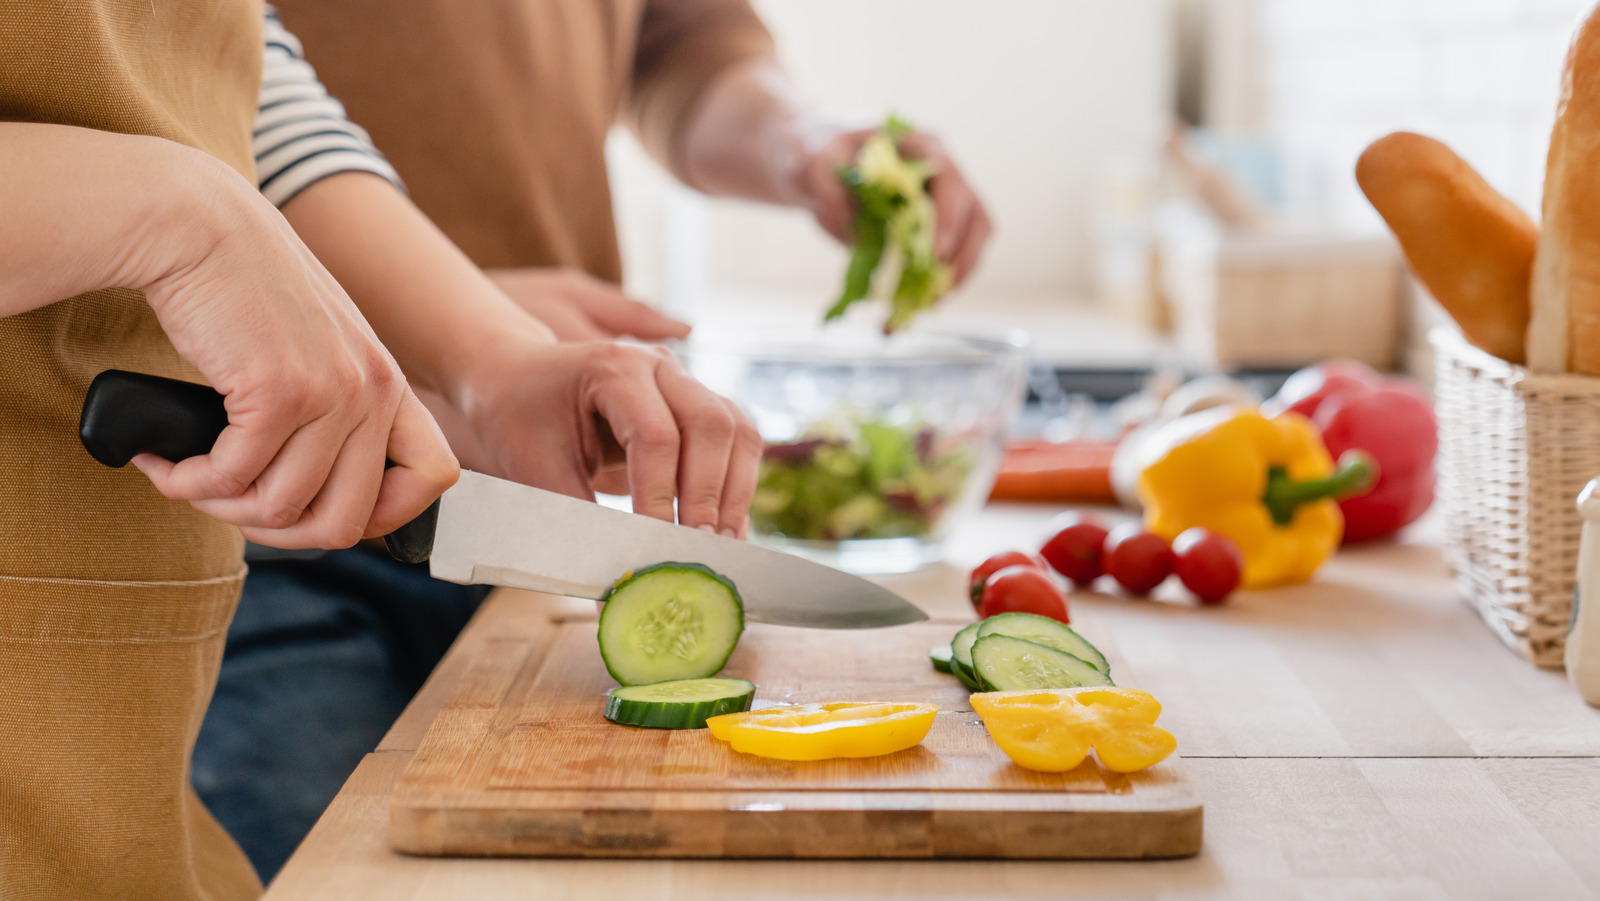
x,y
490,531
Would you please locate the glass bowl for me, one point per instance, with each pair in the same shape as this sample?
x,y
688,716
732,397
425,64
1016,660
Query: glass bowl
x,y
876,447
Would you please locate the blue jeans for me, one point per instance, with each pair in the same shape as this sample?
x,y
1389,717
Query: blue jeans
x,y
321,657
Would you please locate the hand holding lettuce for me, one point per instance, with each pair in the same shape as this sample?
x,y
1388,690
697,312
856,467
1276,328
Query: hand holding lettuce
x,y
894,217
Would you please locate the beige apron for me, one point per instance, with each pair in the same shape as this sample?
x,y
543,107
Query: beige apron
x,y
113,600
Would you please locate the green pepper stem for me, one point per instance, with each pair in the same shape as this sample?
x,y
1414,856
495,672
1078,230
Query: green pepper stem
x,y
1357,473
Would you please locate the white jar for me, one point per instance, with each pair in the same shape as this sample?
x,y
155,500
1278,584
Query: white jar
x,y
1583,640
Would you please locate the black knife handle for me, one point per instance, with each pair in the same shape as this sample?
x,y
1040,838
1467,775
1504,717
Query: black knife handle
x,y
128,413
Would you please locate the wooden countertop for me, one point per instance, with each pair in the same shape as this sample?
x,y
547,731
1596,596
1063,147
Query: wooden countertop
x,y
1363,736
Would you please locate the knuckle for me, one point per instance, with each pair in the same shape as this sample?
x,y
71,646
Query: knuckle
x,y
383,378
294,393
714,421
355,377
443,474
344,534
614,358
657,438
225,483
745,433
280,515
735,502
706,499
659,501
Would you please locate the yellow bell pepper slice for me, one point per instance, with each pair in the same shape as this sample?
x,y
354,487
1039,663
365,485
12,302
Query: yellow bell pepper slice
x,y
825,731
1053,731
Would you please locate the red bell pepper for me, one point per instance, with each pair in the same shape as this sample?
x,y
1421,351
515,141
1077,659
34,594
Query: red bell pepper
x,y
1386,416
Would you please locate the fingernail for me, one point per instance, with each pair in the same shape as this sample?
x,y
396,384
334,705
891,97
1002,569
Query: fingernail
x,y
707,528
730,532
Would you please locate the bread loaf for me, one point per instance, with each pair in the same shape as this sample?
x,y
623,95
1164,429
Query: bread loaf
x,y
1565,332
1471,247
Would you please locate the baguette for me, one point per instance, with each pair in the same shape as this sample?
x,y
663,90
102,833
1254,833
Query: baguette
x,y
1565,332
1471,247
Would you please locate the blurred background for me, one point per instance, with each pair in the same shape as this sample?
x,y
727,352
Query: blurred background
x,y
1248,247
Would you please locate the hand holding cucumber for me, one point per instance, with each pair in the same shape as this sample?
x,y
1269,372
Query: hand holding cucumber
x,y
681,442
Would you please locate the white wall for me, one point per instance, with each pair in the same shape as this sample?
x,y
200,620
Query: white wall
x,y
1480,75
1034,96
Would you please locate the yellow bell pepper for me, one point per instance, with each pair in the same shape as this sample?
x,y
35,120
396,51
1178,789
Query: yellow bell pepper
x,y
1053,731
825,731
1267,484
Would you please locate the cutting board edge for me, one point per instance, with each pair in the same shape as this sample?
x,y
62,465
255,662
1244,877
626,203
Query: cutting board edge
x,y
1173,795
840,833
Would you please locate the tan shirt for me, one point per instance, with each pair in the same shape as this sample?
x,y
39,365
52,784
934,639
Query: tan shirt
x,y
114,601
495,112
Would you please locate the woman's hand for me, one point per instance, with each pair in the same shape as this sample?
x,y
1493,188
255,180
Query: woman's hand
x,y
314,401
963,225
553,415
579,307
515,403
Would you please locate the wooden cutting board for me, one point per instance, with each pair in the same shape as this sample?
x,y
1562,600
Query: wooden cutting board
x,y
521,762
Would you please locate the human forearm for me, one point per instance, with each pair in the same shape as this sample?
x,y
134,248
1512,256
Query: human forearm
x,y
435,311
89,209
750,133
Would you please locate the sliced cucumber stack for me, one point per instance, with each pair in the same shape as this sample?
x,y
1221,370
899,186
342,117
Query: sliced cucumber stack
x,y
1048,632
940,656
680,704
1004,663
668,622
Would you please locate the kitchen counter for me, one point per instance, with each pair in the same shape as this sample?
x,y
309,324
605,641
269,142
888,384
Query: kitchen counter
x,y
1363,736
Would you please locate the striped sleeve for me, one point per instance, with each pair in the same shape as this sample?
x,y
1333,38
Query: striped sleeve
x,y
301,134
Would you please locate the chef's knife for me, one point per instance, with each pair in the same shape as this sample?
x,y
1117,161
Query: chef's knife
x,y
491,531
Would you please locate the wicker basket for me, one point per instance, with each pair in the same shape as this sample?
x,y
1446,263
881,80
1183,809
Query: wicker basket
x,y
1514,451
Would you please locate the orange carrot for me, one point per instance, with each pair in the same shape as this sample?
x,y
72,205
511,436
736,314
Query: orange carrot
x,y
1047,471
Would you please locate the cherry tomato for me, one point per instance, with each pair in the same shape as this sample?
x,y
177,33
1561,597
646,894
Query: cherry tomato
x,y
1023,589
993,565
1137,559
1209,564
1077,549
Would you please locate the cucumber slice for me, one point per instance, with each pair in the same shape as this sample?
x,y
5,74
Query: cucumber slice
x,y
681,704
940,656
961,645
1003,663
669,621
1048,632
961,655
968,679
